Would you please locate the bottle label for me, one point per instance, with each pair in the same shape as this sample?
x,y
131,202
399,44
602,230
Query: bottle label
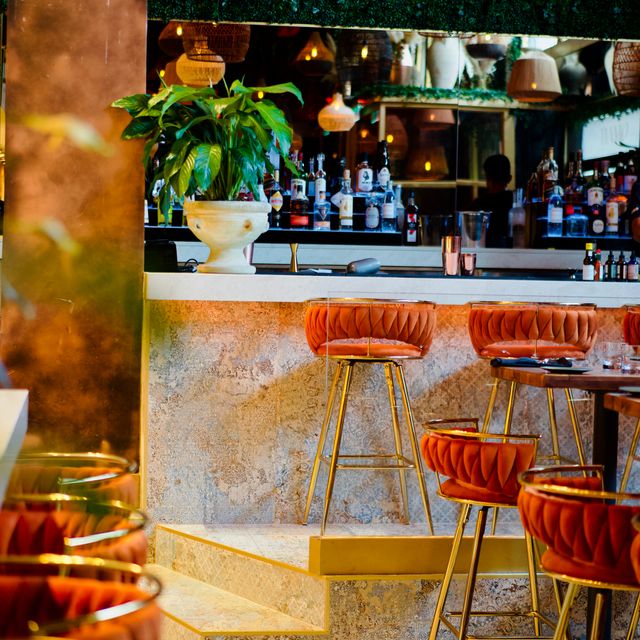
x,y
321,216
346,210
276,201
299,220
595,196
632,272
372,217
629,181
298,188
597,226
337,198
555,215
412,228
384,176
389,210
321,187
365,180
311,188
588,272
613,216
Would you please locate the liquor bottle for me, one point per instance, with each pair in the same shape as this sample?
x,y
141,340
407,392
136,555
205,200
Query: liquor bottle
x,y
411,213
597,265
320,186
346,203
630,176
569,182
621,265
595,198
610,267
301,170
547,174
372,212
383,174
579,189
400,214
389,211
311,179
554,214
364,175
619,175
532,191
614,207
275,200
517,221
321,209
605,178
588,271
632,268
299,207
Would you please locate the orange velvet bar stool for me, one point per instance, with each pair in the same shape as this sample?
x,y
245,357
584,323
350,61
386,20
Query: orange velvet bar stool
x,y
588,533
631,333
482,470
535,330
359,331
95,475
55,606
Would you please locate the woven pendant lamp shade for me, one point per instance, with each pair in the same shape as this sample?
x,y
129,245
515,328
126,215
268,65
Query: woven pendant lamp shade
x,y
314,58
363,57
435,119
336,116
534,78
207,41
626,68
170,75
194,73
397,143
170,39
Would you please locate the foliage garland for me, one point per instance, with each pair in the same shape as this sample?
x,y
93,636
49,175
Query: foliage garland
x,y
430,93
578,18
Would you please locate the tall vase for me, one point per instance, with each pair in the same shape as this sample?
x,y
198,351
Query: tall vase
x,y
444,61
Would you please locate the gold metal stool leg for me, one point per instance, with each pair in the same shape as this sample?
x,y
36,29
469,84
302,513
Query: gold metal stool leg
x,y
448,574
331,477
563,620
473,572
533,582
397,438
596,622
551,406
575,425
486,422
630,458
321,440
633,624
414,443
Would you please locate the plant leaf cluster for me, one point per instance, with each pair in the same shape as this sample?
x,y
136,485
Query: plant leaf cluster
x,y
203,145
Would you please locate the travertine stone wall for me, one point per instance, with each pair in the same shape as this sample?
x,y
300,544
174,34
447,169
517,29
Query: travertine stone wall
x,y
236,401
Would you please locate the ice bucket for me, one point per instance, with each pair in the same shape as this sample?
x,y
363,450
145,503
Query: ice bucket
x,y
474,225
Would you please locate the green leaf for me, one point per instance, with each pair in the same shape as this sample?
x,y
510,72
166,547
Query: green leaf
x,y
276,121
249,121
180,132
207,164
133,104
175,158
139,128
287,87
186,170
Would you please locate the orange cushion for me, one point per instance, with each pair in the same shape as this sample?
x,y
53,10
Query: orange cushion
x,y
458,491
369,348
531,350
556,563
631,327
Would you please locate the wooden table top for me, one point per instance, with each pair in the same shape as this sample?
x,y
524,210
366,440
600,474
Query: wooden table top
x,y
624,404
595,380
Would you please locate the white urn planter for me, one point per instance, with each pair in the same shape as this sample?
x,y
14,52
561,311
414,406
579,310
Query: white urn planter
x,y
227,227
444,59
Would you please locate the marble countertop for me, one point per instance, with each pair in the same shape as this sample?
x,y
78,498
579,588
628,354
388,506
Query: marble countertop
x,y
285,287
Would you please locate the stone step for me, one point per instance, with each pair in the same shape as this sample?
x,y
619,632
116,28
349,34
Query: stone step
x,y
194,610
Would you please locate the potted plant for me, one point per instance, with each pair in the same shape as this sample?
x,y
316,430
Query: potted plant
x,y
207,149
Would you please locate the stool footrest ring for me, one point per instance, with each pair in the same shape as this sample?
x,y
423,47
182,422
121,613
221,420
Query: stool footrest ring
x,y
371,461
444,618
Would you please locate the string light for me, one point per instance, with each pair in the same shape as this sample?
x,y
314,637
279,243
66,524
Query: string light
x,y
389,138
365,52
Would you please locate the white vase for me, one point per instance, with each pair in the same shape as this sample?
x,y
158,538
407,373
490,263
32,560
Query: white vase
x,y
444,62
227,227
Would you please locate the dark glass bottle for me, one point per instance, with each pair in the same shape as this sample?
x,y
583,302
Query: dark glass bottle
x,y
273,191
411,213
621,265
383,173
610,267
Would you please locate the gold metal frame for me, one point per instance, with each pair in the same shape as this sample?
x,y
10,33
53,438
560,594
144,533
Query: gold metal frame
x,y
67,562
79,459
137,518
397,460
573,583
440,615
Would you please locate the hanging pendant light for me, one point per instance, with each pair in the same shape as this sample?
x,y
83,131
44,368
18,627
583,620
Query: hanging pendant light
x,y
170,39
336,116
534,78
314,59
194,73
435,119
626,68
208,41
170,75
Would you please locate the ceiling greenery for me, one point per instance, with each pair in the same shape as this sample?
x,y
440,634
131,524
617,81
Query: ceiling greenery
x,y
617,19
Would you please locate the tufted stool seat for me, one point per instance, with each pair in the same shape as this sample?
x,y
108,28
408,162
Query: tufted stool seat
x,y
80,608
481,469
534,330
31,525
96,475
588,533
362,331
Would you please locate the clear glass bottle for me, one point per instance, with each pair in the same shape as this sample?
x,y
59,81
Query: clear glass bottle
x,y
383,173
554,214
389,210
364,175
321,212
320,178
630,176
517,221
346,203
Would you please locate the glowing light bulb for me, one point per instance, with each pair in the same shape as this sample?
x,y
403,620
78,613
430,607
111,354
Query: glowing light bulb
x,y
487,37
390,138
162,72
364,133
365,52
534,85
427,166
307,57
432,117
314,52
260,95
179,30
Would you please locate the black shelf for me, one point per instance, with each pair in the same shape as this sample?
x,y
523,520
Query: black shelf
x,y
605,243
